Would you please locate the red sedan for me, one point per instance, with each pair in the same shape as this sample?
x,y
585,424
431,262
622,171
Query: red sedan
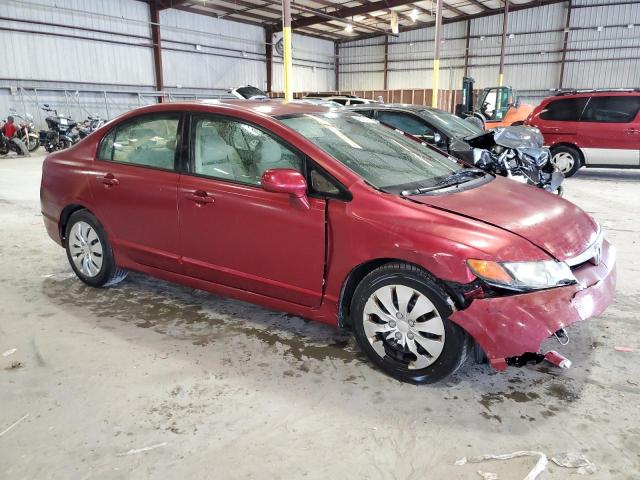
x,y
331,216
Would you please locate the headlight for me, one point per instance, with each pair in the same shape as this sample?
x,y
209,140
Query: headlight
x,y
523,275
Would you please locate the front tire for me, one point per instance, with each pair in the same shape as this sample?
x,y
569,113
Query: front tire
x,y
400,317
567,159
33,144
89,252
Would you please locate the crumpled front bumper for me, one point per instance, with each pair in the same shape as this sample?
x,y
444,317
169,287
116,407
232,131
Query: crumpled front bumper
x,y
512,325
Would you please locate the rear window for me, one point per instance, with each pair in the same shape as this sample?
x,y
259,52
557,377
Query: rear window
x,y
618,109
564,110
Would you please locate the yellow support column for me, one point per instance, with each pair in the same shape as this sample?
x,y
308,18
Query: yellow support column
x,y
436,56
288,61
435,82
505,26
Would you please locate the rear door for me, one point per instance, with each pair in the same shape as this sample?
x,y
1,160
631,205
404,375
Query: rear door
x,y
560,120
233,232
135,181
609,132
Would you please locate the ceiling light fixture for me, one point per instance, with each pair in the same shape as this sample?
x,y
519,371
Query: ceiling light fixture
x,y
348,28
512,35
414,15
600,28
631,25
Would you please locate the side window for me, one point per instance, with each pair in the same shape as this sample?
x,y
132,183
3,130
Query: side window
x,y
366,113
150,141
619,109
320,183
341,101
405,122
564,110
235,151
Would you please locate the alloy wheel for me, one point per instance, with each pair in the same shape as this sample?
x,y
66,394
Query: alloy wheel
x,y
85,249
564,161
403,324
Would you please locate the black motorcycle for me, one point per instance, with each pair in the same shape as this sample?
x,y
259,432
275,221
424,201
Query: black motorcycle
x,y
90,125
61,132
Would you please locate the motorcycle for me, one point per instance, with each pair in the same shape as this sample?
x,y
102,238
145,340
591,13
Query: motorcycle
x,y
6,145
517,153
61,133
90,125
26,130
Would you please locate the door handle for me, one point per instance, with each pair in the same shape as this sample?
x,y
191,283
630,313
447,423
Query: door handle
x,y
632,131
108,180
200,197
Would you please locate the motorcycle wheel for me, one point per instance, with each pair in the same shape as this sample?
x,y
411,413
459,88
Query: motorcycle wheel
x,y
34,143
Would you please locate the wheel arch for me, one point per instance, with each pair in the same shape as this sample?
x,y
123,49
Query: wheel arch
x,y
65,215
358,273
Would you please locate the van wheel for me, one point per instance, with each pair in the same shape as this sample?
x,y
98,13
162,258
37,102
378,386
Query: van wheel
x,y
89,252
566,159
400,319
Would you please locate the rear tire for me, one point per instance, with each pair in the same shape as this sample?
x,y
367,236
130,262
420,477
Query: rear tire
x,y
89,252
400,315
567,159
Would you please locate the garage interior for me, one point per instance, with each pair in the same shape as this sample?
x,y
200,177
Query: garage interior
x,y
151,379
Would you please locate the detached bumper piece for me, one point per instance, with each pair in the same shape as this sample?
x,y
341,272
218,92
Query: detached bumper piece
x,y
511,329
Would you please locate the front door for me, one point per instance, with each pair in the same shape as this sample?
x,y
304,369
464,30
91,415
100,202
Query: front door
x,y
233,232
609,131
134,184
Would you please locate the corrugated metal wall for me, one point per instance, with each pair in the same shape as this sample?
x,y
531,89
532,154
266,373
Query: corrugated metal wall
x,y
532,64
52,63
615,58
215,53
45,56
313,65
109,68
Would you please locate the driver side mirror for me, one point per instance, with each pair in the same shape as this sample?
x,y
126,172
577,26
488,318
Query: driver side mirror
x,y
286,180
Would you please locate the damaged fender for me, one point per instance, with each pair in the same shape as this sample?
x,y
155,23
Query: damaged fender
x,y
512,325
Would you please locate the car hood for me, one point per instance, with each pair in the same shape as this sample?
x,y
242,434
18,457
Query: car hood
x,y
553,224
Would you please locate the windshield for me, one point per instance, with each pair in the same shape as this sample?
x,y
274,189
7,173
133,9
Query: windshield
x,y
250,92
450,124
383,157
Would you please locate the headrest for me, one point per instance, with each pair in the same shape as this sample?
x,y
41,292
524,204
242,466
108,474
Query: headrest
x,y
269,151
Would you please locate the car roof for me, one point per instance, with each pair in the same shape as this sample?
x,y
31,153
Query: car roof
x,y
594,93
272,108
392,106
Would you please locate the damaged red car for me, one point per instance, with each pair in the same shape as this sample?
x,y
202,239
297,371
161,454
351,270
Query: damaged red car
x,y
331,216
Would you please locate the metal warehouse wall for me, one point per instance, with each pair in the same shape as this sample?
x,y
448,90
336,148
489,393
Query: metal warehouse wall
x,y
95,56
214,53
60,61
608,58
313,65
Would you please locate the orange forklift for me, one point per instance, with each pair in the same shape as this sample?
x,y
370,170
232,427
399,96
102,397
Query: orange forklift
x,y
496,107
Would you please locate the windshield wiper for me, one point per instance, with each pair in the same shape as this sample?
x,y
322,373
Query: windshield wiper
x,y
455,178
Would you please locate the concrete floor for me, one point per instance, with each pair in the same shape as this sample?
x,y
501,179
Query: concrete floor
x,y
222,389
